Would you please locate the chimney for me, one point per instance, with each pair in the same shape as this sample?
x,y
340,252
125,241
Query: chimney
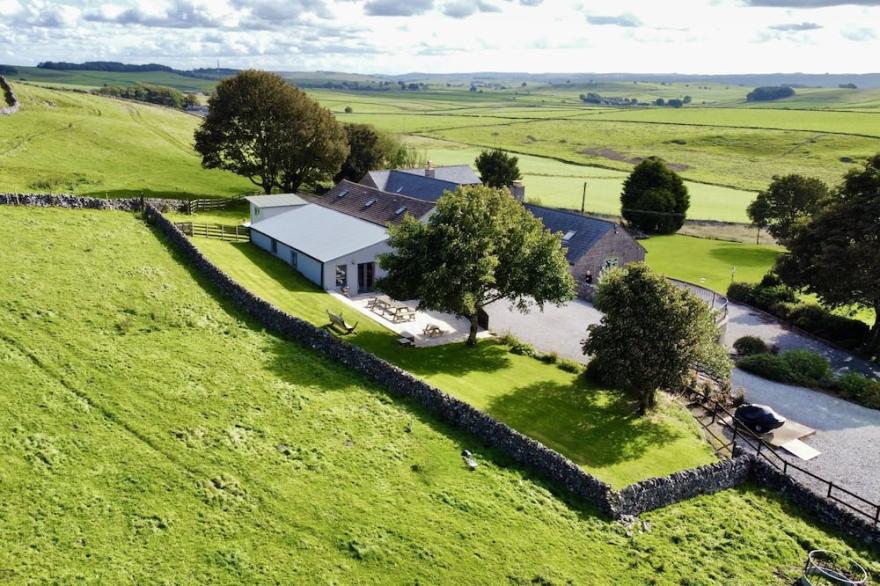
x,y
518,191
429,170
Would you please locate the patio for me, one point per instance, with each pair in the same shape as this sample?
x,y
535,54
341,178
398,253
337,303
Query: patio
x,y
420,328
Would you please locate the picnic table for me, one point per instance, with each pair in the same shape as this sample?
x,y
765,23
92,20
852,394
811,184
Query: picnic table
x,y
385,307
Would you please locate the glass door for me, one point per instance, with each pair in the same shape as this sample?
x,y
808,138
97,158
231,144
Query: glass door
x,y
366,276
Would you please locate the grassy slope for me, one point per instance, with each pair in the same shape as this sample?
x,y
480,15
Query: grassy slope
x,y
152,436
101,78
537,399
64,141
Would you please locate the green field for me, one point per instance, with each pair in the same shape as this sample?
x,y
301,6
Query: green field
x,y
62,141
558,408
100,78
155,435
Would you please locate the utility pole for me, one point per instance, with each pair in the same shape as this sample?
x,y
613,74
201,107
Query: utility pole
x,y
584,198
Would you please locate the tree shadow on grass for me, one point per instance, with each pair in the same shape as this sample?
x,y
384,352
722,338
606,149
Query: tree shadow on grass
x,y
592,426
740,256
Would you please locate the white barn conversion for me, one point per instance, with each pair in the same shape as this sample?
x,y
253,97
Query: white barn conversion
x,y
264,207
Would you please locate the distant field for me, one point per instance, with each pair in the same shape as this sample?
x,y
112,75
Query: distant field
x,y
155,435
100,78
69,142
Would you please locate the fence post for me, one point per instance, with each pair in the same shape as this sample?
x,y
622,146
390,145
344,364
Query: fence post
x,y
830,486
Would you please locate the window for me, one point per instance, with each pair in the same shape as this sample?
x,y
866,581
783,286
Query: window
x,y
369,203
611,263
257,212
399,211
342,194
293,258
274,246
398,190
569,235
342,275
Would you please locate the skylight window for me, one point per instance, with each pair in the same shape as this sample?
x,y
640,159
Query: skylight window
x,y
569,235
399,211
342,194
369,203
398,190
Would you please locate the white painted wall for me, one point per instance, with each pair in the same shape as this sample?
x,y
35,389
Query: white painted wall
x,y
259,214
352,260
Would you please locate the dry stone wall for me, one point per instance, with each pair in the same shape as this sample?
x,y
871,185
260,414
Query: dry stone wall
x,y
10,102
549,465
42,200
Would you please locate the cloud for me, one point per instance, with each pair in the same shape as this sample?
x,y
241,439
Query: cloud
x,y
397,7
795,27
810,3
39,14
625,20
859,34
531,2
465,8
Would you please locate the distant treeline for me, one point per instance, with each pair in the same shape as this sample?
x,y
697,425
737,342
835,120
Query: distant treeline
x,y
8,70
116,67
369,86
769,93
152,94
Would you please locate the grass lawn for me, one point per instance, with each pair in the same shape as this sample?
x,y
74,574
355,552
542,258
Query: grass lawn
x,y
540,400
152,434
77,143
709,262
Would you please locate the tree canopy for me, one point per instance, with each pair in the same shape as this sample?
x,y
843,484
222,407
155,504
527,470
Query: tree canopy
x,y
497,168
835,254
788,202
370,149
479,246
654,198
651,334
261,127
769,93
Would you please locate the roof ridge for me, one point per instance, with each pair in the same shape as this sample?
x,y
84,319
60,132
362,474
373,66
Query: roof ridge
x,y
426,177
376,189
574,213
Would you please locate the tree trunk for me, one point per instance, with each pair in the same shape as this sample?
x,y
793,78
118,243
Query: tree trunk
x,y
647,400
472,338
874,339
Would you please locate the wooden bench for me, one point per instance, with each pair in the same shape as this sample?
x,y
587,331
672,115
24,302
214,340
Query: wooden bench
x,y
403,313
432,331
339,322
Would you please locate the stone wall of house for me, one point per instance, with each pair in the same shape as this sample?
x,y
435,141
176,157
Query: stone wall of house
x,y
9,101
655,493
617,243
42,200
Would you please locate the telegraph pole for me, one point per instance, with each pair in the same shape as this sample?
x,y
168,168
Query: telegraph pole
x,y
584,198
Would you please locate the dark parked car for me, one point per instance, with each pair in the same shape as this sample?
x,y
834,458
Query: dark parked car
x,y
758,418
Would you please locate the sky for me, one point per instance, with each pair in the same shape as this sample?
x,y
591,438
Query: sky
x,y
402,36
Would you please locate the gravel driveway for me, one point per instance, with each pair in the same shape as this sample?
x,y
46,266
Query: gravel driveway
x,y
847,435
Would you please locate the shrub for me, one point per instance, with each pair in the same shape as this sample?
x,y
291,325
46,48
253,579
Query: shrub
x,y
524,349
808,367
549,357
570,366
852,385
741,292
748,345
848,332
768,366
766,297
509,339
595,372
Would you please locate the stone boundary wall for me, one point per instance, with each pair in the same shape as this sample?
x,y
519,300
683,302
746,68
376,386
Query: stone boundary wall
x,y
655,493
10,102
43,200
827,511
551,466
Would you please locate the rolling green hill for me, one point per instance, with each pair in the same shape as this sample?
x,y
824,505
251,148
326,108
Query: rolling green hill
x,y
85,78
62,141
153,434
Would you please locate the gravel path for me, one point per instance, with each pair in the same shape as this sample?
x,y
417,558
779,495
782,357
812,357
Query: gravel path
x,y
847,435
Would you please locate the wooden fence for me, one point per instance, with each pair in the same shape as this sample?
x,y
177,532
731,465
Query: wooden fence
x,y
232,233
206,205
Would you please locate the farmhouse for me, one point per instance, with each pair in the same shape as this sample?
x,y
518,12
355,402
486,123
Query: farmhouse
x,y
592,245
334,239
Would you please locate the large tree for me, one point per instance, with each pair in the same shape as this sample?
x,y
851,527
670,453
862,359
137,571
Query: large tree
x,y
497,168
836,255
654,198
786,203
261,127
479,246
370,149
651,334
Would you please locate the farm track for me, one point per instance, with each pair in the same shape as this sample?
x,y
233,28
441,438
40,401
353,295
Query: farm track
x,y
136,116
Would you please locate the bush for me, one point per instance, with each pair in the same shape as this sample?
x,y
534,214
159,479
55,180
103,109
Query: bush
x,y
766,297
594,371
849,333
852,385
570,366
768,366
509,339
808,367
741,292
748,345
549,357
524,349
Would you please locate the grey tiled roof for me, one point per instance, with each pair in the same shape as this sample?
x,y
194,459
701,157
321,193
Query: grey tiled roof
x,y
371,204
587,231
418,186
461,174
